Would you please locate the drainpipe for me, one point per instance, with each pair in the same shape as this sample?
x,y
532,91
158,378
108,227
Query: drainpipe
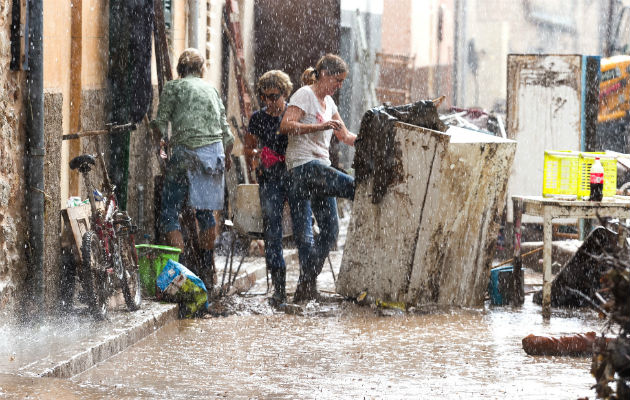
x,y
193,24
35,152
459,57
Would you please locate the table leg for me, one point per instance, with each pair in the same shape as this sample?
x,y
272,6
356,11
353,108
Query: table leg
x,y
621,235
547,238
517,281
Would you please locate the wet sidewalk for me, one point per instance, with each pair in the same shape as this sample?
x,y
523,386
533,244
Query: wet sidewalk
x,y
67,345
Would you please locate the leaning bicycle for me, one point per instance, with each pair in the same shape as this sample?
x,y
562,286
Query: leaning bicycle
x,y
109,258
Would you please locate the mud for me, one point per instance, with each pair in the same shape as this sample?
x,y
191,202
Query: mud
x,y
376,153
334,349
348,351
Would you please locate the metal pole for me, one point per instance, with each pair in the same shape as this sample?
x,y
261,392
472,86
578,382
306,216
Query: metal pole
x,y
35,153
608,45
459,56
517,298
193,24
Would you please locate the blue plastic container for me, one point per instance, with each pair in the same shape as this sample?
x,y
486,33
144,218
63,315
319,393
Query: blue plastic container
x,y
499,284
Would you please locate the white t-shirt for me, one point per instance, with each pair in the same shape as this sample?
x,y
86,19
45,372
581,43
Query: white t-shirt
x,y
310,146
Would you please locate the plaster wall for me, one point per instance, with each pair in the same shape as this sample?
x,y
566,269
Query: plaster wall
x,y
499,27
410,28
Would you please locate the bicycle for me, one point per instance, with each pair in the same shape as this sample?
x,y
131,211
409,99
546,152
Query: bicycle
x,y
108,250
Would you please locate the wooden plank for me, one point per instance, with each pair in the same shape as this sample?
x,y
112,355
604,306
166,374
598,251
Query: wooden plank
x,y
79,221
232,27
547,237
76,87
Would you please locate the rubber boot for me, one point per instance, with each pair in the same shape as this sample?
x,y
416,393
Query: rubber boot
x,y
208,272
306,290
278,278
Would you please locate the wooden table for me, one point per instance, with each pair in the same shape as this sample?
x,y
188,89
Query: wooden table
x,y
550,208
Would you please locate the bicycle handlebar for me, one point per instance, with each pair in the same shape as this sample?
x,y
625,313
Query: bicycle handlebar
x,y
109,129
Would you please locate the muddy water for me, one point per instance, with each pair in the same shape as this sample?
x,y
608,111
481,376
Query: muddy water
x,y
346,351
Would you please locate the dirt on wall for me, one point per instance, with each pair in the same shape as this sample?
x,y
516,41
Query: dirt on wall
x,y
53,126
12,213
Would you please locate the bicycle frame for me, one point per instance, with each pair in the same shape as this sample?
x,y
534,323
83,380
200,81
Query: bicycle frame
x,y
110,260
103,225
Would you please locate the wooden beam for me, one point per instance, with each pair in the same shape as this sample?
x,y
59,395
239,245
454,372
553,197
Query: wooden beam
x,y
76,55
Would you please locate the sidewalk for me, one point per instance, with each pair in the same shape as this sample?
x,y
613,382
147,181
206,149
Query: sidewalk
x,y
68,345
65,346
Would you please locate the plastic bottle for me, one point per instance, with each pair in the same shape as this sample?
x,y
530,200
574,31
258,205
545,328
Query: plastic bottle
x,y
74,201
597,181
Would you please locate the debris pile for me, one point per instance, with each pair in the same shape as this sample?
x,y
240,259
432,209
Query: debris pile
x,y
611,359
475,119
579,279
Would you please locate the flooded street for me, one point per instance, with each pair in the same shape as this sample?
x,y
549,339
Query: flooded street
x,y
335,350
350,352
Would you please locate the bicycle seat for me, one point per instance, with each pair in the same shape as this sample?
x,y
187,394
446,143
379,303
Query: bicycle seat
x,y
83,162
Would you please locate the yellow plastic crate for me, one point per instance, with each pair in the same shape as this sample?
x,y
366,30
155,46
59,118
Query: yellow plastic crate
x,y
610,174
560,173
568,173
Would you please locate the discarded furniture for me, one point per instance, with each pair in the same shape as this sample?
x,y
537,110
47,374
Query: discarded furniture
x,y
552,103
550,209
429,237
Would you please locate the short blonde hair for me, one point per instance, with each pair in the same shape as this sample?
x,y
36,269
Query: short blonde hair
x,y
191,62
275,79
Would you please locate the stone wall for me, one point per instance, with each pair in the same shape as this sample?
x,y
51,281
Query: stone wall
x,y
143,165
53,128
143,169
12,215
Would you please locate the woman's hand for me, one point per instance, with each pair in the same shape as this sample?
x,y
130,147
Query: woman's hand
x,y
228,162
162,153
341,132
332,124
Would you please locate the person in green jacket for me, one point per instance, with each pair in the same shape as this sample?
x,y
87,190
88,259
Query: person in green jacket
x,y
200,144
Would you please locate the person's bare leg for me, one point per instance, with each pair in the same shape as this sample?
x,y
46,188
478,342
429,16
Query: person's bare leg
x,y
175,239
206,241
207,238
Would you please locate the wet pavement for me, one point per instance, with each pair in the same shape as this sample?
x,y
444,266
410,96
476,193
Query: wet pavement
x,y
335,350
66,345
348,351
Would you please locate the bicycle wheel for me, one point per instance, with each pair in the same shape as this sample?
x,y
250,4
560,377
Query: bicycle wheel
x,y
131,276
94,277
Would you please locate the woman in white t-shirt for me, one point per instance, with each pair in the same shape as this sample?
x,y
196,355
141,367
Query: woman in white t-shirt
x,y
310,121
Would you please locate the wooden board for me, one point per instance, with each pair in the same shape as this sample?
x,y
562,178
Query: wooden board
x,y
78,219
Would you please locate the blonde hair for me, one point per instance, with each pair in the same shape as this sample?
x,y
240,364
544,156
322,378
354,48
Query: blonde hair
x,y
331,63
191,62
275,79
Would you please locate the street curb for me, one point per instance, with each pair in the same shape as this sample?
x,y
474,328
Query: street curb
x,y
124,337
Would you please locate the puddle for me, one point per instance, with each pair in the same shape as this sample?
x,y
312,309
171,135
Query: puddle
x,y
347,351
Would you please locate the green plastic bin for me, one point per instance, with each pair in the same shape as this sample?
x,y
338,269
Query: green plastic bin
x,y
151,260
